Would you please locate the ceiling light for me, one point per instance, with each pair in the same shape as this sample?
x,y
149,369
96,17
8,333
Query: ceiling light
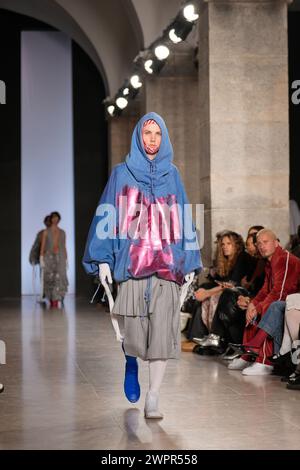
x,y
174,38
189,13
161,52
135,81
148,66
111,109
121,102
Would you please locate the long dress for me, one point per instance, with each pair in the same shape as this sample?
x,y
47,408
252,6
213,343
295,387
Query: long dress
x,y
55,273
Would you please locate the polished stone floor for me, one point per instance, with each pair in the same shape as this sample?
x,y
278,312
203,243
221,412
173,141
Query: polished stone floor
x,y
63,390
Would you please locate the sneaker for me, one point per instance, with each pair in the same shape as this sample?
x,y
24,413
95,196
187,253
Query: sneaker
x,y
230,356
238,364
294,382
1,388
258,369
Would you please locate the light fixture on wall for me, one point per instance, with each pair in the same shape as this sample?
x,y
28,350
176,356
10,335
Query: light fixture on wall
x,y
179,29
135,81
121,102
154,58
151,63
189,12
173,36
161,51
111,109
148,66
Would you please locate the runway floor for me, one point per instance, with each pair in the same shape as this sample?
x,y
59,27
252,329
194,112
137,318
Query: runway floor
x,y
64,390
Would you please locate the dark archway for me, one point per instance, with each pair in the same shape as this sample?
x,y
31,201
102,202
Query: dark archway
x,y
90,150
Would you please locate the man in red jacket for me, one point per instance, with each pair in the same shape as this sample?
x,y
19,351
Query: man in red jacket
x,y
282,275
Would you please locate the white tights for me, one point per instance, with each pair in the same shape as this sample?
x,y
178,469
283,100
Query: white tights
x,y
157,370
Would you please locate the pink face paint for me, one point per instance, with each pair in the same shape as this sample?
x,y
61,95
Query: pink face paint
x,y
150,149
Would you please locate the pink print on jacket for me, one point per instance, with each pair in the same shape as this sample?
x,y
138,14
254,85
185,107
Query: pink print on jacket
x,y
152,228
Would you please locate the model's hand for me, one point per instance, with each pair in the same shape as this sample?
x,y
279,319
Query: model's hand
x,y
189,277
42,262
105,273
184,288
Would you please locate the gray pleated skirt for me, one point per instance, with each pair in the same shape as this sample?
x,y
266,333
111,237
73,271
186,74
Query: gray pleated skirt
x,y
151,331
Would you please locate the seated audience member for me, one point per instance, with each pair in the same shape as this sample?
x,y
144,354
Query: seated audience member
x,y
232,265
282,274
229,320
254,229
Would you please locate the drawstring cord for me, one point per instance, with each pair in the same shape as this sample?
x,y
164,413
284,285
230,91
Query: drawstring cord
x,y
96,291
147,298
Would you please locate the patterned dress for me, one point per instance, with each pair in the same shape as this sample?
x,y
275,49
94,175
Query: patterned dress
x,y
55,274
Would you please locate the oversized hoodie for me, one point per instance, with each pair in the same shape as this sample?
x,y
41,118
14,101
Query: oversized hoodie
x,y
142,225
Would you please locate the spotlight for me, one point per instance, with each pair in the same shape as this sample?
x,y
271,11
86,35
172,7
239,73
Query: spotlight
x,y
111,109
174,38
148,66
179,29
135,81
121,102
126,91
189,13
161,52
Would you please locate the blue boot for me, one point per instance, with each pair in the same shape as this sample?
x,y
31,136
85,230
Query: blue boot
x,y
131,381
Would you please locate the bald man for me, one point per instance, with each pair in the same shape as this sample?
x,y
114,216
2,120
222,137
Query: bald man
x,y
282,276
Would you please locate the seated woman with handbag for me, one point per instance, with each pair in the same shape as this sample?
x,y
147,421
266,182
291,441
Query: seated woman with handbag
x,y
229,320
233,264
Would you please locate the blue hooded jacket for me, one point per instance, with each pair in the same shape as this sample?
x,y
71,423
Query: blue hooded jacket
x,y
141,226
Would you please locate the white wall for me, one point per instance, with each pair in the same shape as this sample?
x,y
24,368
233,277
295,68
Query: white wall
x,y
47,141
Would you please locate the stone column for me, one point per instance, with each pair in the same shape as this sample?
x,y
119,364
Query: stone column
x,y
244,130
120,130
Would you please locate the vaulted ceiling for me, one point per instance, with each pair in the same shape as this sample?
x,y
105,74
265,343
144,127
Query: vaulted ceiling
x,y
111,32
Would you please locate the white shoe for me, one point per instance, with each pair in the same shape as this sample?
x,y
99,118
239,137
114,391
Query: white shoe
x,y
258,369
1,388
238,364
151,406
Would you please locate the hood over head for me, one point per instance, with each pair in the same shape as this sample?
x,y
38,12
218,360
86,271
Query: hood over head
x,y
146,171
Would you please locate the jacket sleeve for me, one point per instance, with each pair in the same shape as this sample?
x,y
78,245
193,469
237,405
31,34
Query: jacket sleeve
x,y
278,291
262,294
103,231
189,239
